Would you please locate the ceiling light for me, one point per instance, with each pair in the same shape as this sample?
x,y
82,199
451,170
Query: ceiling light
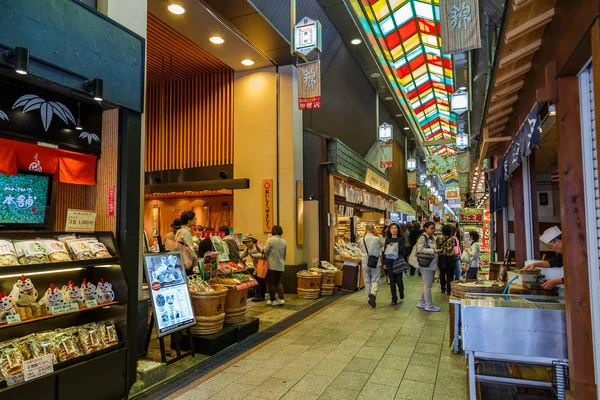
x,y
247,62
356,41
551,108
462,88
398,115
19,59
406,128
375,75
217,40
176,9
389,98
96,86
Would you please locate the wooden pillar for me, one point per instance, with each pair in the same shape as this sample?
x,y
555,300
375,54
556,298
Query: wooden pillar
x,y
519,223
500,245
572,216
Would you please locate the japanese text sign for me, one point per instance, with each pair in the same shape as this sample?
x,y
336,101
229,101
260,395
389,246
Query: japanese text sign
x,y
110,207
80,221
267,205
472,216
309,85
307,37
37,367
460,25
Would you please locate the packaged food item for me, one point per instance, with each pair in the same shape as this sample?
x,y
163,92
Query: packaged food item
x,y
89,338
56,251
104,292
80,249
72,294
47,344
8,255
89,291
11,359
29,347
53,297
7,307
36,310
66,238
98,250
24,292
66,346
22,313
31,252
29,312
108,333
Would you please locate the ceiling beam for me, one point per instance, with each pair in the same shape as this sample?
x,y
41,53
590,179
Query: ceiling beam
x,y
511,89
503,104
494,117
502,79
497,131
498,139
535,23
519,54
517,4
440,142
496,124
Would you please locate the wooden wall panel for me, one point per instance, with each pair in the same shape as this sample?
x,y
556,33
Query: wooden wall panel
x,y
189,123
69,196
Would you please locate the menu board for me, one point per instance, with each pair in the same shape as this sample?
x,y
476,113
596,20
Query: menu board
x,y
169,292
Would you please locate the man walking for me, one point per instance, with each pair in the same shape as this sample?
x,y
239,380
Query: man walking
x,y
438,227
371,247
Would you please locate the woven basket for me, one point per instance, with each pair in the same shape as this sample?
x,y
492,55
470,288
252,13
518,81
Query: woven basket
x,y
459,290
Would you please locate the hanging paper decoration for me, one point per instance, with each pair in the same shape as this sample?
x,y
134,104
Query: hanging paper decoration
x,y
463,162
441,164
412,179
385,156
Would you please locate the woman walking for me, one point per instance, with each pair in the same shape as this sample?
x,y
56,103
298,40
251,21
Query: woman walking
x,y
394,248
256,253
426,257
275,250
473,251
447,259
383,237
414,235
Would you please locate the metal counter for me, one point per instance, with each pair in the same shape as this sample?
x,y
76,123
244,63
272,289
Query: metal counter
x,y
514,328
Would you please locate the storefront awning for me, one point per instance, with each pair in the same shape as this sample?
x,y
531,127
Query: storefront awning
x,y
404,208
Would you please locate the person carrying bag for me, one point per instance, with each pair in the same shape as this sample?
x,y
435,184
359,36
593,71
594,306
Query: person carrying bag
x,y
425,255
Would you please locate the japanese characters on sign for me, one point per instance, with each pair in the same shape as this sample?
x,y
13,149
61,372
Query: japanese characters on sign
x,y
386,155
80,221
309,85
472,216
460,25
385,132
307,38
412,179
110,207
267,203
376,181
299,213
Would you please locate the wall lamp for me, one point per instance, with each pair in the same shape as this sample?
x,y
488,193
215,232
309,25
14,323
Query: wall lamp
x,y
19,59
96,86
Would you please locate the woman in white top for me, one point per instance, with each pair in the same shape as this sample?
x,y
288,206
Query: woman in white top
x,y
184,235
473,250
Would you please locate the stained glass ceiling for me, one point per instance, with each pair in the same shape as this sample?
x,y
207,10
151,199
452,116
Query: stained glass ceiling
x,y
408,31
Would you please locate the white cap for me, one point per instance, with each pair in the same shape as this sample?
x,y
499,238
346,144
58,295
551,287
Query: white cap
x,y
550,234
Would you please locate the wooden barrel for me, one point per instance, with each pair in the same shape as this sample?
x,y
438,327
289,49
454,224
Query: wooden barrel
x,y
309,286
327,283
235,305
495,271
209,311
459,290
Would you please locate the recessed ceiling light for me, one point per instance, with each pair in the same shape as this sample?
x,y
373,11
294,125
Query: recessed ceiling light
x,y
375,75
217,40
247,62
406,128
356,41
398,115
389,98
176,9
462,88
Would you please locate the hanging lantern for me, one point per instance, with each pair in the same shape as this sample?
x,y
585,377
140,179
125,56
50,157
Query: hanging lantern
x,y
411,164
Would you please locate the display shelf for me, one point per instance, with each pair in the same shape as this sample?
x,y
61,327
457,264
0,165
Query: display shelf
x,y
29,268
32,320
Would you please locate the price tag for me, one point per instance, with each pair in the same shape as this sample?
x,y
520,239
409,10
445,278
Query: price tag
x,y
37,367
12,380
61,309
91,303
13,318
74,306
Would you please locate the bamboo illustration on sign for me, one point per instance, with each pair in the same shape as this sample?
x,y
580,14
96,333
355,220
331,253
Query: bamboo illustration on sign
x,y
3,116
89,137
48,109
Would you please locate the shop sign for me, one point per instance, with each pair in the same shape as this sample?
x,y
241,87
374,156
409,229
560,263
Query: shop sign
x,y
37,367
110,207
299,213
376,181
472,216
412,180
40,115
80,221
452,194
267,205
309,85
385,132
307,38
460,25
462,141
386,156
411,164
459,104
209,234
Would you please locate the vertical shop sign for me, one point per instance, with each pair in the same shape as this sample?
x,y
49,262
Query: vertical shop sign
x,y
412,180
386,156
307,38
460,25
267,205
299,213
309,85
110,207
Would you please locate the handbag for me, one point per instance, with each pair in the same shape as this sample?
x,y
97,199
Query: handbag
x,y
372,261
424,259
262,267
399,266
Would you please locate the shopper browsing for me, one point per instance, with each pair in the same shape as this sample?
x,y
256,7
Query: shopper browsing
x,y
447,259
275,250
232,246
169,239
438,227
254,251
394,249
473,249
370,245
425,255
184,236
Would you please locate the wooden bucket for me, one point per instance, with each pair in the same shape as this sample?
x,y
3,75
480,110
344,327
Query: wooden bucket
x,y
209,311
309,286
327,283
459,290
235,305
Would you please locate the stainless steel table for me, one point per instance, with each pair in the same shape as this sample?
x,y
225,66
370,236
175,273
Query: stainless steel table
x,y
515,329
457,333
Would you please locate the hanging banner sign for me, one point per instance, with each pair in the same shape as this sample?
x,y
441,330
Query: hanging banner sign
x,y
299,213
386,156
459,20
307,38
309,85
80,221
412,180
267,205
385,132
110,207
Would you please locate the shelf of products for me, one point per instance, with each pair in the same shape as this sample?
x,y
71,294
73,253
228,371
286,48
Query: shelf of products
x,y
344,229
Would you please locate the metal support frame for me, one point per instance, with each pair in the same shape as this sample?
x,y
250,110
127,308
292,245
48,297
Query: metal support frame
x,y
529,246
457,333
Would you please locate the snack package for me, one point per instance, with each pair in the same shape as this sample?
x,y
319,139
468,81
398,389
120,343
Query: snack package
x,y
104,292
98,250
24,292
36,310
31,252
56,251
108,333
8,255
53,297
7,307
47,345
80,249
72,294
11,359
89,338
66,346
89,291
29,347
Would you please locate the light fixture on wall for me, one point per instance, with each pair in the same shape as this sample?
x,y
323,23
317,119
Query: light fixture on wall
x,y
19,60
247,62
217,40
552,109
78,126
96,86
356,41
176,9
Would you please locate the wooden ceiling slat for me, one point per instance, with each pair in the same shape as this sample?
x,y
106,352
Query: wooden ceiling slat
x,y
502,79
499,115
503,104
522,52
537,22
510,89
498,123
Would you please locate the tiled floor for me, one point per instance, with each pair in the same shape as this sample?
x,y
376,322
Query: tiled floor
x,y
351,351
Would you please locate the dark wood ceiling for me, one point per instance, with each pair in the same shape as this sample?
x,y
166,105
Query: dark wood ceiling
x,y
172,56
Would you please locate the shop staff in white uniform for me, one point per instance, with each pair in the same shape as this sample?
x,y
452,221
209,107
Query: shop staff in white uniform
x,y
552,237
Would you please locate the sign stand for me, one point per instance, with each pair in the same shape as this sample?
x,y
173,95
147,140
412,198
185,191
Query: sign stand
x,y
175,336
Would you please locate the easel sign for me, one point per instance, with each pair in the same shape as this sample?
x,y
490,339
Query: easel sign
x,y
169,292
